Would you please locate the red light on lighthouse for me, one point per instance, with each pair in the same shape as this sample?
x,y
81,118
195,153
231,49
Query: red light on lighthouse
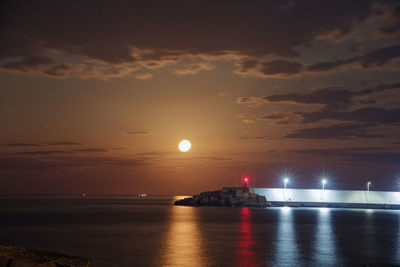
x,y
245,182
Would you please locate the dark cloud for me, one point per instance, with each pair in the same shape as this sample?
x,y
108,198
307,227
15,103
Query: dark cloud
x,y
368,101
35,163
282,118
369,114
113,161
251,100
266,69
23,145
34,33
329,65
42,152
277,118
257,137
60,70
368,155
91,150
244,100
371,59
18,163
335,151
335,107
374,148
362,122
137,133
331,98
139,160
393,26
28,64
377,157
379,56
54,152
338,131
58,143
213,158
193,68
66,143
285,68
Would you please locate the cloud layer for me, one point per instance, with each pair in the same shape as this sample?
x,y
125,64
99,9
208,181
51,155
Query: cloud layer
x,y
336,105
115,39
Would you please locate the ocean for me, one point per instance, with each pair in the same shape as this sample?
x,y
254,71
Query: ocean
x,y
150,231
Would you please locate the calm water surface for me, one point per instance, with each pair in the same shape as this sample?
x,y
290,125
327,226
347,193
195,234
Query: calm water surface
x,y
130,231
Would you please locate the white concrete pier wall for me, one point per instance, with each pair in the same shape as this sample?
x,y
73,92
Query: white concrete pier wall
x,y
329,196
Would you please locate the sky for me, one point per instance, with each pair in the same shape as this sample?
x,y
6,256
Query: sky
x,y
96,95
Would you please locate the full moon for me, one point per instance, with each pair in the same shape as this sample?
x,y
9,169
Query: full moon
x,y
184,145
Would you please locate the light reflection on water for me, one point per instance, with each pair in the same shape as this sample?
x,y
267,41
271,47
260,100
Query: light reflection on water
x,y
369,229
245,247
286,245
296,242
396,255
151,232
326,252
184,242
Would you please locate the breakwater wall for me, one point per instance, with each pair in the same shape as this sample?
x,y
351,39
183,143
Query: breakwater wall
x,y
330,198
227,197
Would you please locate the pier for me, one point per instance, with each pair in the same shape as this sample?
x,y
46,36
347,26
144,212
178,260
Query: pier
x,y
330,198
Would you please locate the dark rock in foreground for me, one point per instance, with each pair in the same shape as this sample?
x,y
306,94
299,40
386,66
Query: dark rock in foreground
x,y
227,197
15,256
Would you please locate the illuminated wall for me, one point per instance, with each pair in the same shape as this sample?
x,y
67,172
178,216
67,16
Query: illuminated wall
x,y
331,196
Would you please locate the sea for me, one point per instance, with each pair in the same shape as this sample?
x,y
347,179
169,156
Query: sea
x,y
150,231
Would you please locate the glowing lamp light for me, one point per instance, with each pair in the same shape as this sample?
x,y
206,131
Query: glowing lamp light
x,y
245,182
323,183
285,181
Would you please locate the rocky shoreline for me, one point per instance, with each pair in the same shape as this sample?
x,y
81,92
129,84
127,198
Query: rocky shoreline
x,y
227,197
17,256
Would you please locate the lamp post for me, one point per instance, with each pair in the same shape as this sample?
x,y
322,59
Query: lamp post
x,y
368,184
323,184
285,181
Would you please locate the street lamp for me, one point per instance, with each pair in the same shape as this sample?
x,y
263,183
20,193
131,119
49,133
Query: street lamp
x,y
285,181
323,184
368,184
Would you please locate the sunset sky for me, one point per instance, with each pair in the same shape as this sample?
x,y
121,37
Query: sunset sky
x,y
96,95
